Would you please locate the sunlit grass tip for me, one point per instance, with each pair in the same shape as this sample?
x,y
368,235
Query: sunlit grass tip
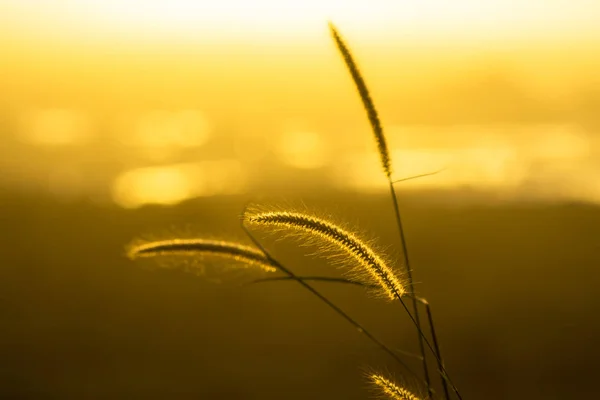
x,y
201,247
372,267
361,86
391,389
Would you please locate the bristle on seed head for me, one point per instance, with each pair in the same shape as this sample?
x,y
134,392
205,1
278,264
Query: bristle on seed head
x,y
368,260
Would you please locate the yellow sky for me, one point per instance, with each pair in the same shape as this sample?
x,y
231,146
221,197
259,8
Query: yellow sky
x,y
273,19
162,93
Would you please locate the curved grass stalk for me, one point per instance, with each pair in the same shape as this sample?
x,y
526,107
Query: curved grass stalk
x,y
324,299
369,261
196,247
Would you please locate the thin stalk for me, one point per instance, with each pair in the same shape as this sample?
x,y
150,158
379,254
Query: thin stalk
x,y
417,319
436,345
312,278
417,176
338,310
386,163
438,353
442,370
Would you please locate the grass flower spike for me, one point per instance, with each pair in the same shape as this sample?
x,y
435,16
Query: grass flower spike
x,y
349,243
199,247
392,390
361,86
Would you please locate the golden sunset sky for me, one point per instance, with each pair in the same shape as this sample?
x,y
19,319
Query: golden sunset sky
x,y
151,97
274,20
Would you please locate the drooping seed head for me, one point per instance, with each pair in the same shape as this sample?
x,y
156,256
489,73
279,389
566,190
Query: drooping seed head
x,y
391,389
368,260
201,247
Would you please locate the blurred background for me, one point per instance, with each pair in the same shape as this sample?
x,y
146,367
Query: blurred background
x,y
159,119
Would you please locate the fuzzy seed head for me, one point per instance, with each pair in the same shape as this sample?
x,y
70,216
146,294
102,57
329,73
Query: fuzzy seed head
x,y
392,390
200,247
368,260
365,96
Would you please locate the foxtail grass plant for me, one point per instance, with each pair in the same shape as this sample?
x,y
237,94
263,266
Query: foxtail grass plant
x,y
384,155
371,265
362,263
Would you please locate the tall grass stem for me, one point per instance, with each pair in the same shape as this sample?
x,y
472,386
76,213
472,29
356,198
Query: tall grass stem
x,y
384,155
417,318
436,345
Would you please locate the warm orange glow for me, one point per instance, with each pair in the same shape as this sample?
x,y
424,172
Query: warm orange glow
x,y
186,128
302,149
160,134
266,18
156,185
55,127
490,161
502,95
563,142
173,184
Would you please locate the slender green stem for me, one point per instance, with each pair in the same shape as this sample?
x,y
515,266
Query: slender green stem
x,y
338,310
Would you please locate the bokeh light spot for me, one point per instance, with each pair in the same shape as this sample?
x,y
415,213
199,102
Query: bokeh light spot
x,y
153,185
184,128
55,127
172,184
302,149
563,142
160,134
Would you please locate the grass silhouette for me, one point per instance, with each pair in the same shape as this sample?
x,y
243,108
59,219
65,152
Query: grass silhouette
x,y
368,268
386,161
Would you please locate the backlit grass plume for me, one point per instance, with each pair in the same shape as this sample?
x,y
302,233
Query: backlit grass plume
x,y
200,247
366,99
392,390
368,260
